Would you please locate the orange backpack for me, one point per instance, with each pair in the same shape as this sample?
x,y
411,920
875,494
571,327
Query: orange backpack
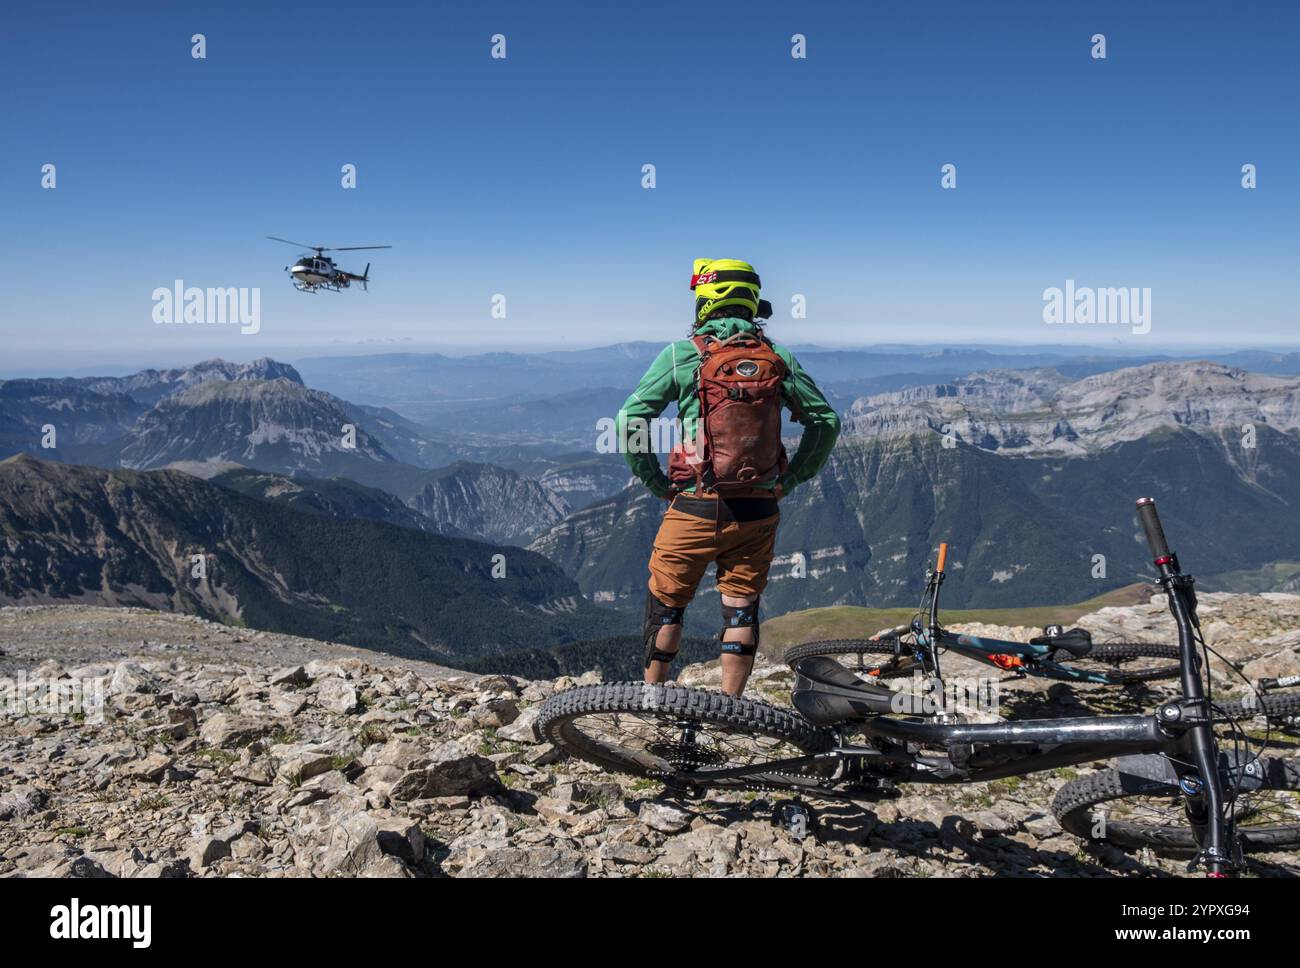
x,y
738,436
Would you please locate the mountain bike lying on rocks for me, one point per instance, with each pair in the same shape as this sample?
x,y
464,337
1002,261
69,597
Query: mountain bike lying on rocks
x,y
1056,654
1173,788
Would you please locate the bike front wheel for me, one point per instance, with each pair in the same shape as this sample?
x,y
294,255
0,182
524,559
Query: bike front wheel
x,y
1278,705
678,735
1132,813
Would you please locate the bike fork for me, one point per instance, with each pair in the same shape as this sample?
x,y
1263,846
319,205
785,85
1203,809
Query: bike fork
x,y
932,644
1202,786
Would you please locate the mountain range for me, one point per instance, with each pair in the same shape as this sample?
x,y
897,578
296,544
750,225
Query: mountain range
x,y
263,417
88,412
172,541
1030,476
1027,468
1041,412
503,393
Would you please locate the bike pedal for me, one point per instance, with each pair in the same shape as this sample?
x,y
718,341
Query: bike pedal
x,y
684,791
796,817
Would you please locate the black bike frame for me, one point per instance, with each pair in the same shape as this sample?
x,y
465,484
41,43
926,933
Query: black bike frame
x,y
1180,729
1013,749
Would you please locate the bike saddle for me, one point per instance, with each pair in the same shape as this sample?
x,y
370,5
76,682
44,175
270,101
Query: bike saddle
x,y
826,693
1077,642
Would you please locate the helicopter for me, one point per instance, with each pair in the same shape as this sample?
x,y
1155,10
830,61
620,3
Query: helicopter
x,y
313,272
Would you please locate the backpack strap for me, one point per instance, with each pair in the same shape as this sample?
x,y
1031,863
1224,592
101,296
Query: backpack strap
x,y
702,346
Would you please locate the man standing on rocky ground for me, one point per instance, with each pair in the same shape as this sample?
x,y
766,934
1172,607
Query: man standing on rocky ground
x,y
730,383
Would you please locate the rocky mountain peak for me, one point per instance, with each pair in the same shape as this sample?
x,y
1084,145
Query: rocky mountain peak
x,y
1042,413
278,423
149,386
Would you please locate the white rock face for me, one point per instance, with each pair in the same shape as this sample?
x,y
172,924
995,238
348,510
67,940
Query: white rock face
x,y
149,386
1041,412
588,482
490,502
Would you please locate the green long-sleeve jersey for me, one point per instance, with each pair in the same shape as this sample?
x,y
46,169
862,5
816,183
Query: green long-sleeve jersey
x,y
671,379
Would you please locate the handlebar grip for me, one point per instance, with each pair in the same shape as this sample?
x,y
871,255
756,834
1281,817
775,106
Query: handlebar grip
x,y
1146,508
943,557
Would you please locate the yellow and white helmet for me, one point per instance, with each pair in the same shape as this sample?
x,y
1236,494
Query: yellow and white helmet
x,y
719,283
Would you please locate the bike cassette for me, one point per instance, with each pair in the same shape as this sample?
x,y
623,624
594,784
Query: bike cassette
x,y
686,757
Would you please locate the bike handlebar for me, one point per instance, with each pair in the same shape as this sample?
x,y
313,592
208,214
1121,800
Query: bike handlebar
x,y
1146,508
1285,682
943,557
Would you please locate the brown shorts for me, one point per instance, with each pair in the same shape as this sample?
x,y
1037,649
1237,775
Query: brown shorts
x,y
686,544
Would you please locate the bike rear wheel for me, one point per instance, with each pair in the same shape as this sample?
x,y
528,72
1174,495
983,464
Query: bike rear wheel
x,y
1125,663
666,731
1122,663
1130,813
861,649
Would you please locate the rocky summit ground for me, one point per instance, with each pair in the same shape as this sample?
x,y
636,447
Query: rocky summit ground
x,y
224,752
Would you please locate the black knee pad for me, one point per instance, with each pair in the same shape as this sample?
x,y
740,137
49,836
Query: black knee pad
x,y
739,617
657,615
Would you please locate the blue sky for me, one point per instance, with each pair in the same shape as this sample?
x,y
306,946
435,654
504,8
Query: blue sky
x,y
523,176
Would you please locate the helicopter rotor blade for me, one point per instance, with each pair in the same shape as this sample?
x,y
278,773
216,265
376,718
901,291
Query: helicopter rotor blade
x,y
353,248
301,245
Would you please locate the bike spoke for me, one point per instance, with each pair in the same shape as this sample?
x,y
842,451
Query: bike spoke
x,y
1268,808
667,746
1254,809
